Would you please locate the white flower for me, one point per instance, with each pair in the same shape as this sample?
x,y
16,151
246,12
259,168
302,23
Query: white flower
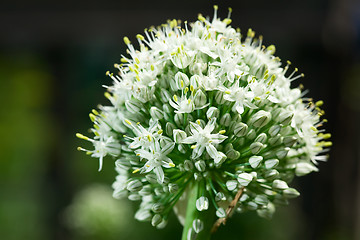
x,y
241,96
143,137
204,139
156,159
161,126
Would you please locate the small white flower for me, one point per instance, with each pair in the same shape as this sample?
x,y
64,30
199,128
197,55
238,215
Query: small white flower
x,y
202,203
204,139
241,96
156,159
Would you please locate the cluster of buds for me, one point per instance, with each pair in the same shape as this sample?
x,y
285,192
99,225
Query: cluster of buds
x,y
202,104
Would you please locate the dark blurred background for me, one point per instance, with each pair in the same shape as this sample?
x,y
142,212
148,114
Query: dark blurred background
x,y
53,59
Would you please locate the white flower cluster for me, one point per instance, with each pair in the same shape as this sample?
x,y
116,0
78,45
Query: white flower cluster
x,y
204,103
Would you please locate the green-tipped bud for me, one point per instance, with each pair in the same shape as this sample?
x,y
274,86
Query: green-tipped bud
x,y
274,130
197,225
256,147
169,128
220,213
134,186
275,141
179,119
244,179
271,163
232,154
219,97
200,165
188,165
240,129
261,138
255,161
291,193
156,220
179,135
231,185
282,153
279,185
261,200
181,80
156,113
260,119
289,141
271,174
251,135
225,119
202,203
132,106
285,117
213,112
200,98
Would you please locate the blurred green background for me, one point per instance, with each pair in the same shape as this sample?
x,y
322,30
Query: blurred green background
x,y
53,59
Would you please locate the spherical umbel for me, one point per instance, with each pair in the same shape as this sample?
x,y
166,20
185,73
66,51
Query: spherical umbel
x,y
203,106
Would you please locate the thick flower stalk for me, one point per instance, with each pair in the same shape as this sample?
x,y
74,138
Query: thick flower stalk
x,y
203,121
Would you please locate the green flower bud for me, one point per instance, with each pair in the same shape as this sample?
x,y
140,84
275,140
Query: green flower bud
x,y
260,119
156,113
255,161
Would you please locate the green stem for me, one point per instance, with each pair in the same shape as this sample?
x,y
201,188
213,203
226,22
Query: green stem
x,y
196,190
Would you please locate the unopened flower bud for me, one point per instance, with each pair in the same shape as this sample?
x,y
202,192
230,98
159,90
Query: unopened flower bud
x,y
260,119
202,203
173,188
240,129
279,185
132,106
219,97
188,165
261,138
282,153
289,141
179,135
134,186
200,165
169,128
275,141
220,197
199,98
271,163
232,154
143,215
213,112
179,119
256,147
165,95
197,225
255,161
181,80
251,135
274,130
271,174
225,120
291,193
194,81
157,207
156,220
244,179
156,113
220,213
231,185
285,117
261,200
